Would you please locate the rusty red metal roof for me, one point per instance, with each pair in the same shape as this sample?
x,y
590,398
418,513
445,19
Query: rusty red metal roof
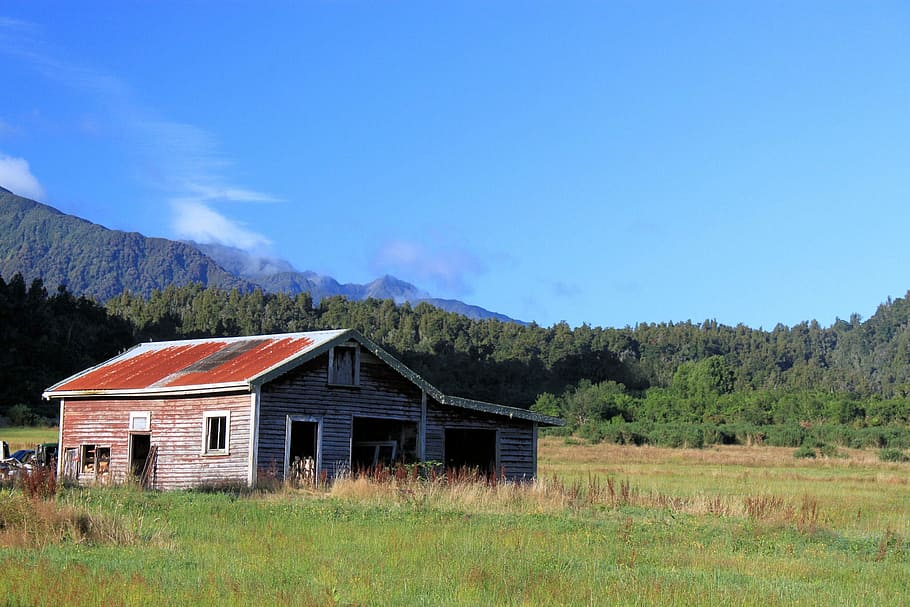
x,y
162,366
201,366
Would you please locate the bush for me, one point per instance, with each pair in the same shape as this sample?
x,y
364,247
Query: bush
x,y
678,435
828,450
892,455
804,452
21,415
592,432
624,434
786,435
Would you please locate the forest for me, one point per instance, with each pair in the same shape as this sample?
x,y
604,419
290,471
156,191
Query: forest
x,y
677,384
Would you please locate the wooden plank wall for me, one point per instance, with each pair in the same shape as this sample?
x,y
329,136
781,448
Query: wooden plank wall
x,y
177,425
516,437
176,428
382,392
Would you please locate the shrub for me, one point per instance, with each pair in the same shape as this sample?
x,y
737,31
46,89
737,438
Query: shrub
x,y
678,435
828,450
623,433
786,435
804,452
892,455
592,432
21,415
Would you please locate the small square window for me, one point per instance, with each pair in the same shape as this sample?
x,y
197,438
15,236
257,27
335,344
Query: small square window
x,y
140,421
344,366
216,431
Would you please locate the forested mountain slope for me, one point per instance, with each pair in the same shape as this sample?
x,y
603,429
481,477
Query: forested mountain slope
x,y
39,241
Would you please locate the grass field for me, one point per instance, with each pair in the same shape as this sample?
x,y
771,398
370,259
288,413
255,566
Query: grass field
x,y
605,525
27,437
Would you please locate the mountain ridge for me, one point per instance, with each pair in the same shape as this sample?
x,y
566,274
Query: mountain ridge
x,y
40,241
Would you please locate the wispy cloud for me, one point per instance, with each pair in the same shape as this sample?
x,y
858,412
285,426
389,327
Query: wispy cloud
x,y
446,266
181,161
16,176
196,221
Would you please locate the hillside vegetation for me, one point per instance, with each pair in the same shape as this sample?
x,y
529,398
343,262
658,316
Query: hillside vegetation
x,y
41,242
675,384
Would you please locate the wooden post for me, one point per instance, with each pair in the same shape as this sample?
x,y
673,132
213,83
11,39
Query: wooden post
x,y
422,430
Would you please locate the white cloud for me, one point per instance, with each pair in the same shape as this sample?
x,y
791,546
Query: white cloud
x,y
447,267
16,176
181,161
197,221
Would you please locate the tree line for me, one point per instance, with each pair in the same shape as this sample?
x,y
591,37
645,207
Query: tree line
x,y
852,373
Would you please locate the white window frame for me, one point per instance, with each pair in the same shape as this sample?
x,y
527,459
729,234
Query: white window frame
x,y
94,474
206,417
142,415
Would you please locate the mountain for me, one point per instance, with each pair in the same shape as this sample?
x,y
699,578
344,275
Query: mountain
x,y
39,241
279,276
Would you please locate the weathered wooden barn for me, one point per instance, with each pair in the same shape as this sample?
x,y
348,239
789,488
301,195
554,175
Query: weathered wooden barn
x,y
229,410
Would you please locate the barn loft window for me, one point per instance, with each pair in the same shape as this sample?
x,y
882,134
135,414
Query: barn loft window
x,y
139,421
216,431
344,366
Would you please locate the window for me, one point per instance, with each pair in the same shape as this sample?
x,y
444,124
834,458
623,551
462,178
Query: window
x,y
216,433
140,421
94,463
344,366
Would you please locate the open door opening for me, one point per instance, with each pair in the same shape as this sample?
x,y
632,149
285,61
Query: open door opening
x,y
140,445
377,442
470,450
303,440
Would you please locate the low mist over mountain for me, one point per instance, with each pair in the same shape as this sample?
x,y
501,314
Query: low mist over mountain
x,y
279,276
41,242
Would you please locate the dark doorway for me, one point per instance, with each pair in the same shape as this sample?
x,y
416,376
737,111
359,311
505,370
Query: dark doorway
x,y
470,449
140,444
382,442
303,441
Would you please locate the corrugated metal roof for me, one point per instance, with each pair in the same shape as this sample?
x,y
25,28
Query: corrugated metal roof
x,y
158,366
231,363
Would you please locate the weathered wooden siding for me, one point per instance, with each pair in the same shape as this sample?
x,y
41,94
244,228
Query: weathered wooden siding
x,y
516,444
382,393
176,425
176,428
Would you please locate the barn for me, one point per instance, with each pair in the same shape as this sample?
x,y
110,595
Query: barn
x,y
188,413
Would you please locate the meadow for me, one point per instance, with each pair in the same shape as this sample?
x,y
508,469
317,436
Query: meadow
x,y
26,437
604,525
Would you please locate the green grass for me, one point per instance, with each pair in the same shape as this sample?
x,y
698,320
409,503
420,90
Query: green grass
x,y
660,527
26,437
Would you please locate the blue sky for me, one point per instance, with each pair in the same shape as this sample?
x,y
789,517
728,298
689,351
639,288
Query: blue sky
x,y
606,163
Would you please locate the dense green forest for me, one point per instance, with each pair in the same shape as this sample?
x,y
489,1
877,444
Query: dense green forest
x,y
672,383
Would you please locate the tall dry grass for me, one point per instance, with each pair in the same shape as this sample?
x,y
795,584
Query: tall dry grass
x,y
553,495
34,523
